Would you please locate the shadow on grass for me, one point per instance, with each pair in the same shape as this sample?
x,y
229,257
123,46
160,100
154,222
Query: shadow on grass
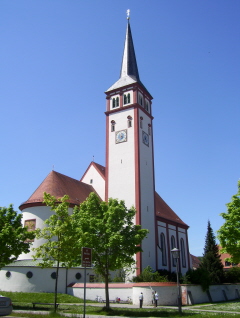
x,y
140,313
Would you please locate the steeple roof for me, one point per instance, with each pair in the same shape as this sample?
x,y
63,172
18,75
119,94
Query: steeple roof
x,y
129,62
129,70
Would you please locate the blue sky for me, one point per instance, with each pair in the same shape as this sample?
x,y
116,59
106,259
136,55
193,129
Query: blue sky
x,y
58,57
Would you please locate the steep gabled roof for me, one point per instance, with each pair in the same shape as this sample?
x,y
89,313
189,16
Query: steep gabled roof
x,y
58,185
164,211
98,167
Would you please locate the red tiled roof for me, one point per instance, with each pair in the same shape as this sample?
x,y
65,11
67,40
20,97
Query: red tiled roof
x,y
165,212
195,261
58,185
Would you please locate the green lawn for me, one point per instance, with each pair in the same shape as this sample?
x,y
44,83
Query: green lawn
x,y
23,301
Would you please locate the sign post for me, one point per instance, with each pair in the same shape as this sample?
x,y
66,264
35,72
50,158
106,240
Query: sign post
x,y
86,262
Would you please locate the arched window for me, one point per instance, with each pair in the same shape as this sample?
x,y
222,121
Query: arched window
x,y
149,130
129,121
113,125
126,98
141,119
146,105
183,252
163,249
173,245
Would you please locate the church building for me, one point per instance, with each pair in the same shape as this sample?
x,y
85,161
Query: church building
x,y
128,175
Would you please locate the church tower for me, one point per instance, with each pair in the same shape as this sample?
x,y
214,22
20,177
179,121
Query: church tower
x,y
129,149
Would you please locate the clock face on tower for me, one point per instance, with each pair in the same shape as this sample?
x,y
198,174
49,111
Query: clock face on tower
x,y
145,138
121,136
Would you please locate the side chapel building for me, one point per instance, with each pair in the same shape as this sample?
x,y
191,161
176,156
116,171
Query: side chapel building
x,y
128,175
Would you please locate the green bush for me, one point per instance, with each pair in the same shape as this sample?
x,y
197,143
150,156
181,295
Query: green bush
x,y
199,276
232,275
149,275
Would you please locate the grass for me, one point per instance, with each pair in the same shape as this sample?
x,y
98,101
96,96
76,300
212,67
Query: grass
x,y
23,301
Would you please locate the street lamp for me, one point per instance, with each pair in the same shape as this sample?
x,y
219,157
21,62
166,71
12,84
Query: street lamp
x,y
176,255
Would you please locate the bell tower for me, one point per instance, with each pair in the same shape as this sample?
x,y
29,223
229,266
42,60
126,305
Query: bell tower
x,y
129,148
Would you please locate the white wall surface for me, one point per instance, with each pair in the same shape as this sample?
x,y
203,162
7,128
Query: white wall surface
x,y
98,183
41,280
40,214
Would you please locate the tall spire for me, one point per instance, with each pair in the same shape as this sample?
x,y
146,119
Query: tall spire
x,y
129,70
129,62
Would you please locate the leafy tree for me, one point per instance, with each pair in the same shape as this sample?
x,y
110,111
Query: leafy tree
x,y
61,238
14,238
211,261
229,232
108,228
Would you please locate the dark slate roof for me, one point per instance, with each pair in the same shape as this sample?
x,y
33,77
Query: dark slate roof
x,y
164,211
59,185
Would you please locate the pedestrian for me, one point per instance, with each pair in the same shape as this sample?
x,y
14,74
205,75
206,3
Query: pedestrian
x,y
141,300
153,298
156,298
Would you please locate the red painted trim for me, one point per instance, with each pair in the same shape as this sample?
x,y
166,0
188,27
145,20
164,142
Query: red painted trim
x,y
38,203
134,105
108,101
179,260
187,248
161,219
107,158
169,248
137,182
120,285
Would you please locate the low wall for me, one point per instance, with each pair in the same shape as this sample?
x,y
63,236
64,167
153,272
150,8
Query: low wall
x,y
191,294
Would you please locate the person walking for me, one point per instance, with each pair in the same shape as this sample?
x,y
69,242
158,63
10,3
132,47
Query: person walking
x,y
156,298
141,300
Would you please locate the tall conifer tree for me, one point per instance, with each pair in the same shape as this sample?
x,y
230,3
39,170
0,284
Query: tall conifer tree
x,y
211,258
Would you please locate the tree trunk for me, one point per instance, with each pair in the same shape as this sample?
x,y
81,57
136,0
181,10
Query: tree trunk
x,y
107,291
56,287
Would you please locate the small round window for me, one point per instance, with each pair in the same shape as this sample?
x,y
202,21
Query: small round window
x,y
53,275
78,276
29,274
8,274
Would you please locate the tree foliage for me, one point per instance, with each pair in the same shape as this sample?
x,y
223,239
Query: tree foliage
x,y
61,238
211,261
232,275
60,235
198,276
149,275
14,238
229,232
108,228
